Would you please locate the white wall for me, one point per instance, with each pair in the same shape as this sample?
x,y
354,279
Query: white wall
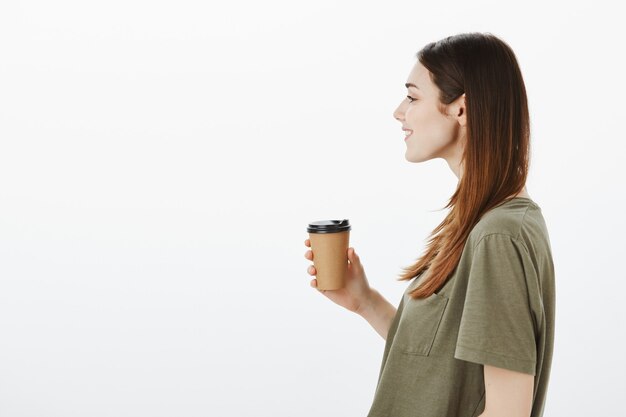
x,y
159,163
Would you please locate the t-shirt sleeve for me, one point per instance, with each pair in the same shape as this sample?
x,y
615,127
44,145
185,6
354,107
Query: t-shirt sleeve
x,y
497,326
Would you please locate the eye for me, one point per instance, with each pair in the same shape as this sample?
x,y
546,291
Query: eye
x,y
411,99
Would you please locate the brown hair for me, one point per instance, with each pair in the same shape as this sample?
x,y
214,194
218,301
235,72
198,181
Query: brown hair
x,y
496,153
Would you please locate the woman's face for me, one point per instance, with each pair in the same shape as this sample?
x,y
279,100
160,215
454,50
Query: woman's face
x,y
434,135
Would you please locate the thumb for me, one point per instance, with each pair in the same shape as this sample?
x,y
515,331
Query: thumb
x,y
353,257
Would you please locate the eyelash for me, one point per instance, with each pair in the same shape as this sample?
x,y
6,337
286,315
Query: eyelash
x,y
411,99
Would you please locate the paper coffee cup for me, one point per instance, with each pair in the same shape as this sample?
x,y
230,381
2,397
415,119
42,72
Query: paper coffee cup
x,y
330,240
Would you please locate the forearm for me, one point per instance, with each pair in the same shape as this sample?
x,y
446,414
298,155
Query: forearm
x,y
379,313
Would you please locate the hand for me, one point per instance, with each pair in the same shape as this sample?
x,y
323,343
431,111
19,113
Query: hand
x,y
357,292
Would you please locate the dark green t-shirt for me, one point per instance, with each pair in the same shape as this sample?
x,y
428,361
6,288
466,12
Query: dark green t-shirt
x,y
497,308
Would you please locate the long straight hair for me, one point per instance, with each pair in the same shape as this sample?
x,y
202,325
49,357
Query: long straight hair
x,y
495,159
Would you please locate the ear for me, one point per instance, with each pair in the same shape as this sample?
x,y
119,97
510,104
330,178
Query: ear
x,y
460,110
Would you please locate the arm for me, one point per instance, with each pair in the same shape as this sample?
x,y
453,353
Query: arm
x,y
508,393
378,312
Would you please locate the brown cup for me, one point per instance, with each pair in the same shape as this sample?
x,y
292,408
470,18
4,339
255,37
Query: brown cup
x,y
330,240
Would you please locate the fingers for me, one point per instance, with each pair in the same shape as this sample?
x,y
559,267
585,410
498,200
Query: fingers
x,y
314,285
311,269
308,254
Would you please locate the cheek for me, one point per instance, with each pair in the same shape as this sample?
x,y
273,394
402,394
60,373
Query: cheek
x,y
430,126
422,114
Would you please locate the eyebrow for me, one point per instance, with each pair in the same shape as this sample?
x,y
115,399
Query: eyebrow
x,y
407,85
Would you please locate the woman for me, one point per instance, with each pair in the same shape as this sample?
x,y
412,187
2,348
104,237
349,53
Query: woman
x,y
473,333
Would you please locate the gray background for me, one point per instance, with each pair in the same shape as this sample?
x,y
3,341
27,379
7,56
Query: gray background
x,y
160,161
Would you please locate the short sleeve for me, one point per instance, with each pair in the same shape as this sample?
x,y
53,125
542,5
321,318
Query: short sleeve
x,y
497,326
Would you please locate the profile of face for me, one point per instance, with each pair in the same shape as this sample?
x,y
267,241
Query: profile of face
x,y
432,134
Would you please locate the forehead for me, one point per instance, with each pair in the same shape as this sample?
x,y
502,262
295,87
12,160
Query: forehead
x,y
420,76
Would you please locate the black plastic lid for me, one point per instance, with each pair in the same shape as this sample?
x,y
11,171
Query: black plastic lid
x,y
329,226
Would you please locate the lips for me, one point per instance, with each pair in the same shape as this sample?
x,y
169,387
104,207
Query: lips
x,y
407,130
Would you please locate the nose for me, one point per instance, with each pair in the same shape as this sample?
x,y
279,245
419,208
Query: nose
x,y
398,115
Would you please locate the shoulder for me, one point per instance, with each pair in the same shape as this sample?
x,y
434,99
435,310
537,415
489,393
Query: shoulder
x,y
519,219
